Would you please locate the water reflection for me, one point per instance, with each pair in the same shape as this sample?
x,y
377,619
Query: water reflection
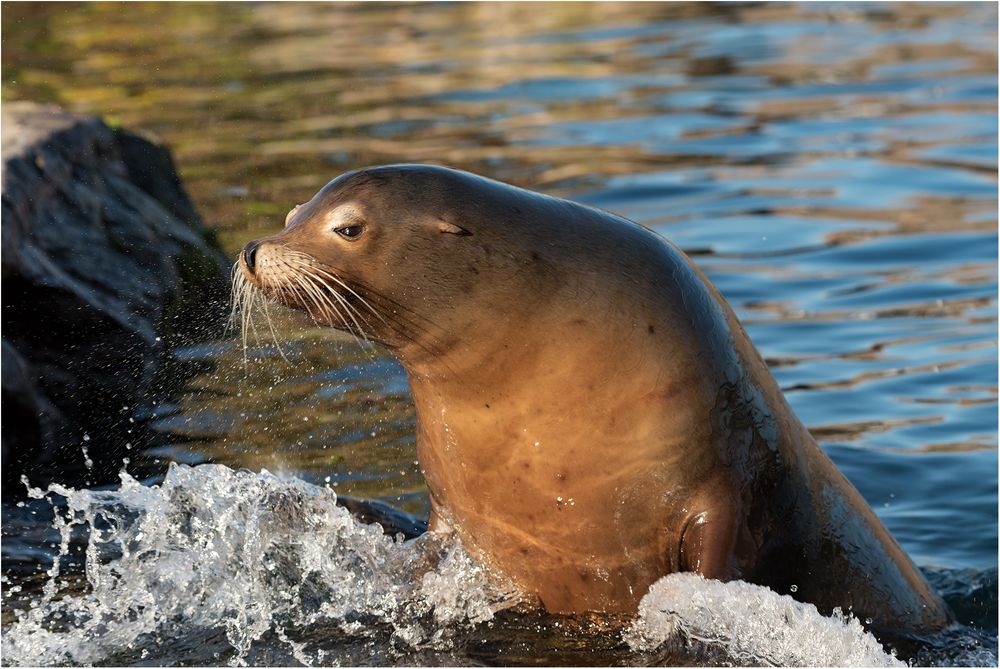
x,y
831,166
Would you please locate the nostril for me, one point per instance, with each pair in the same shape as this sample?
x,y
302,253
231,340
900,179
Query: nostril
x,y
250,255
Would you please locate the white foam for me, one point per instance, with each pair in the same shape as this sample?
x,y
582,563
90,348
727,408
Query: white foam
x,y
246,553
214,553
751,625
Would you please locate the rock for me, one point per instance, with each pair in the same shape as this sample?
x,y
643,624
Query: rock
x,y
105,267
393,521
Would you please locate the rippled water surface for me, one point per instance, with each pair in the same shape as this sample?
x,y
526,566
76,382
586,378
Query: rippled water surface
x,y
831,167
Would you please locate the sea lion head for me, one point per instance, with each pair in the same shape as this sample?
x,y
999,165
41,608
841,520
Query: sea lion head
x,y
395,254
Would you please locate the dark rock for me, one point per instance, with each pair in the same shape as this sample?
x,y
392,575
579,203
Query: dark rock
x,y
28,417
393,521
105,267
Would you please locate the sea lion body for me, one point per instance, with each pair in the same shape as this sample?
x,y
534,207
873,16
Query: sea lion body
x,y
591,414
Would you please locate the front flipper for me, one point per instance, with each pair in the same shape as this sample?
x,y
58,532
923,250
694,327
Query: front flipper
x,y
707,546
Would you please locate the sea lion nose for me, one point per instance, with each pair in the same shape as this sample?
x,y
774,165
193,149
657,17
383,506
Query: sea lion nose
x,y
250,255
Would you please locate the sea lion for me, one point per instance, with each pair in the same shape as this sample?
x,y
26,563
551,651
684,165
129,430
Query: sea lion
x,y
590,413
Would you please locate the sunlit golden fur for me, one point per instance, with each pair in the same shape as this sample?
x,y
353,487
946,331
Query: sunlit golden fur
x,y
590,413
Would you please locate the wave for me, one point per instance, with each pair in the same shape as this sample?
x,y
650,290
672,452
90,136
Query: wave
x,y
217,565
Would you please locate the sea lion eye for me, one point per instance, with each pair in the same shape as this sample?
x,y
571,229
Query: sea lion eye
x,y
351,232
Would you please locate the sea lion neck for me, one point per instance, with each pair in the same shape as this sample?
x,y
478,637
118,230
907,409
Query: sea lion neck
x,y
481,338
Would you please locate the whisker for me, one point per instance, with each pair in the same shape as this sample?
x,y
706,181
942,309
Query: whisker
x,y
347,304
328,299
242,304
253,299
307,267
323,306
407,323
339,282
347,307
254,296
270,326
234,304
311,282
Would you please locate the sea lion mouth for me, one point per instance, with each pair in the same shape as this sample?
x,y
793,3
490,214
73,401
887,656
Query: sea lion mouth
x,y
299,281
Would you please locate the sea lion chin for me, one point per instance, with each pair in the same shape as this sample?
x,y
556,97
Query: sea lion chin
x,y
591,415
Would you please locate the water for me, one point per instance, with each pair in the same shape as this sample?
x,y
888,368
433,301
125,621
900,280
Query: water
x,y
832,168
259,563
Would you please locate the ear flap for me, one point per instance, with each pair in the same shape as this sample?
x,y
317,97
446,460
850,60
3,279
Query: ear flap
x,y
452,229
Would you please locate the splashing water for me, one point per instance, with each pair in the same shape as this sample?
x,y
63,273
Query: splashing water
x,y
241,553
267,569
755,625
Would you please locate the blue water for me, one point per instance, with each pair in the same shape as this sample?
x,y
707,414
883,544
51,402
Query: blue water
x,y
831,166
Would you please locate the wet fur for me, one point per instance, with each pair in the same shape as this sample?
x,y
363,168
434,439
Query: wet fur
x,y
591,414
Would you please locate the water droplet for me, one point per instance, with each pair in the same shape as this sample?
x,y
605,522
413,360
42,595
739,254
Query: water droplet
x,y
86,437
86,457
794,588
